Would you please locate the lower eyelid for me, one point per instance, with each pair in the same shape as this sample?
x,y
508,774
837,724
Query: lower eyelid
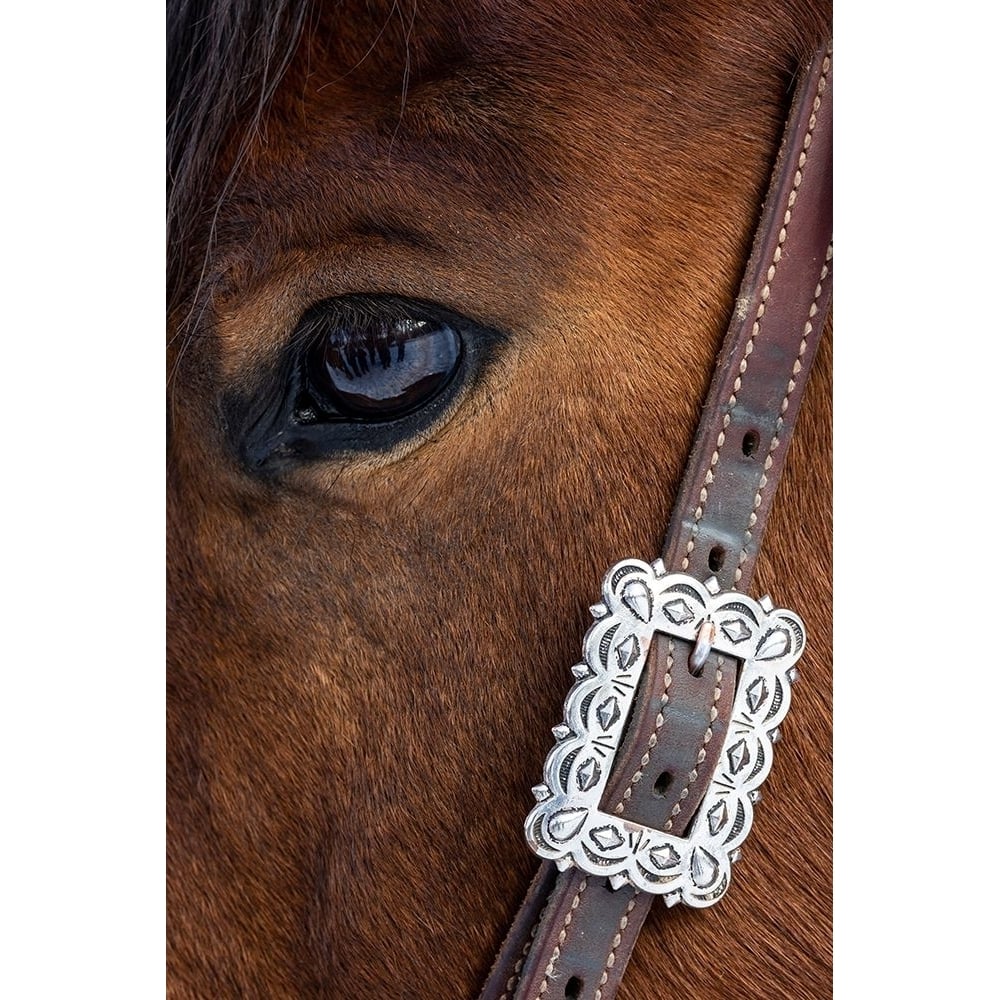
x,y
280,426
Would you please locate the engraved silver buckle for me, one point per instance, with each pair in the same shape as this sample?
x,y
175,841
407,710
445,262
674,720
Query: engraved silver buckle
x,y
567,825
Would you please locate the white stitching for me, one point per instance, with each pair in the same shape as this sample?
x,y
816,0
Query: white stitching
x,y
562,938
761,309
620,808
512,982
610,960
699,513
796,368
692,777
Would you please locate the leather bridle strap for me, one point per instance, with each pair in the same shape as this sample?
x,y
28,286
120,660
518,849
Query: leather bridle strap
x,y
573,934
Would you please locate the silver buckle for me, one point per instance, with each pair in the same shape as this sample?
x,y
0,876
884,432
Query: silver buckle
x,y
567,825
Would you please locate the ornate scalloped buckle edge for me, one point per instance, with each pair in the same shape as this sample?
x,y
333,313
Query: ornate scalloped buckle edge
x,y
568,826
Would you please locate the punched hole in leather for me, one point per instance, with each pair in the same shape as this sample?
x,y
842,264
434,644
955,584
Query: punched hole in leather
x,y
687,716
576,921
573,934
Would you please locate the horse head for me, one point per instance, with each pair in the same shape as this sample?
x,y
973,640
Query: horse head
x,y
448,283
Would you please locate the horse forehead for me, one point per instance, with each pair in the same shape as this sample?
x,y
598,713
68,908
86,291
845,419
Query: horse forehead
x,y
505,136
376,41
450,172
529,139
506,142
464,134
503,103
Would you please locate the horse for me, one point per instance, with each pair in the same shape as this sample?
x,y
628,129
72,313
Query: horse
x,y
446,285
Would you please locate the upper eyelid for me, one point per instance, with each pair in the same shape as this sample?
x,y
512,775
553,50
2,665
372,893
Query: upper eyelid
x,y
259,415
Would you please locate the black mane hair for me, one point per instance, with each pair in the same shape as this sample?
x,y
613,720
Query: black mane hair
x,y
224,60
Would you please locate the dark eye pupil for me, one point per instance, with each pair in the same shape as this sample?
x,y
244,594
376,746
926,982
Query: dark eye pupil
x,y
384,369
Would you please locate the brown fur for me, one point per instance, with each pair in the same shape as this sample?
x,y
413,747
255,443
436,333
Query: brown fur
x,y
366,654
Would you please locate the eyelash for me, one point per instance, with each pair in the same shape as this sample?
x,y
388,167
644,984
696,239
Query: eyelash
x,y
278,425
351,350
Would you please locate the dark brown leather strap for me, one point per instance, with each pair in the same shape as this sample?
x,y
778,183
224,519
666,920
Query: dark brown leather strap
x,y
573,935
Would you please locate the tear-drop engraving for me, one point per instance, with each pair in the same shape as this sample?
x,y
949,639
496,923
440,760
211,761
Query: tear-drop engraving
x,y
628,652
776,643
636,598
704,868
678,611
607,838
566,824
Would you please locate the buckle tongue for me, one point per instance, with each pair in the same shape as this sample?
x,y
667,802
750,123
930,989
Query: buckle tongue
x,y
567,825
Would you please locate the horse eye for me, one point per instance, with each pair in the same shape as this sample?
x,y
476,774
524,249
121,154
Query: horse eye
x,y
361,373
379,367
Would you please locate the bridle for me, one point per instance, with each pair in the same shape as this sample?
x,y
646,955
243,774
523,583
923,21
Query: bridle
x,y
669,729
